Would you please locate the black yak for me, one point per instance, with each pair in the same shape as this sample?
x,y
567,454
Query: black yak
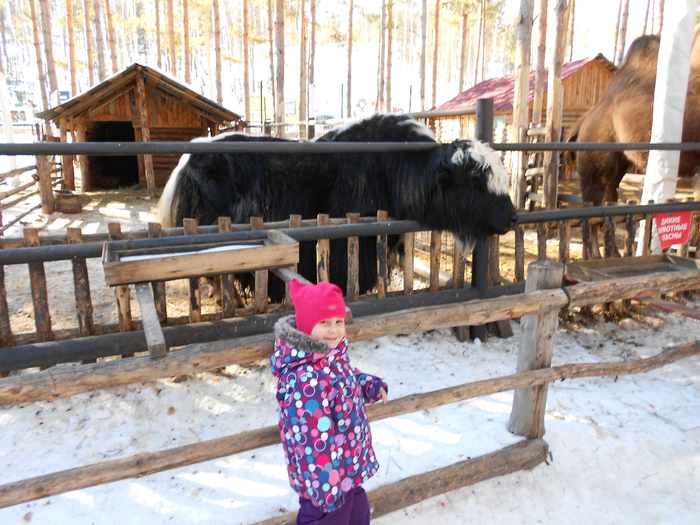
x,y
461,187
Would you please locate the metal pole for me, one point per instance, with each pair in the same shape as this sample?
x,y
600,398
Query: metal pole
x,y
480,255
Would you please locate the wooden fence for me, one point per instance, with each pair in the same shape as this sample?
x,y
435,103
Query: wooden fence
x,y
538,309
42,184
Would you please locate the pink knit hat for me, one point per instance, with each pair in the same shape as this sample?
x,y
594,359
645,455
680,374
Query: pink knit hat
x,y
315,302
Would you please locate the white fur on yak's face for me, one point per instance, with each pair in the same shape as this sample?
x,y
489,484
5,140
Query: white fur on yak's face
x,y
485,157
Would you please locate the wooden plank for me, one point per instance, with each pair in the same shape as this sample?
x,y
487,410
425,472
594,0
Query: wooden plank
x,y
353,288
121,292
151,324
409,242
195,302
536,346
541,241
261,276
323,252
564,236
294,222
519,253
43,171
37,282
229,296
409,491
142,109
648,228
586,236
494,261
7,338
206,356
610,249
155,231
630,231
202,264
382,265
458,265
81,282
435,248
148,463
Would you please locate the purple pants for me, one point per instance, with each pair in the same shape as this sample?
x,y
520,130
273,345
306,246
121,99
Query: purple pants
x,y
355,511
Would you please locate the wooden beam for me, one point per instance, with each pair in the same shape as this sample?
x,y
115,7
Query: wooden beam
x,y
409,491
149,463
142,109
536,349
151,324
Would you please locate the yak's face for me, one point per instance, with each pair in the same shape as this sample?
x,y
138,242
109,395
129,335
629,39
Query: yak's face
x,y
474,188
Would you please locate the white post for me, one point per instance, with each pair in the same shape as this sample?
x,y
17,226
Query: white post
x,y
7,126
672,74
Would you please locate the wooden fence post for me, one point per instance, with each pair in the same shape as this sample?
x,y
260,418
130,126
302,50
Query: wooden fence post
x,y
37,282
81,282
353,287
155,231
6,336
195,302
536,344
43,170
323,251
121,292
261,276
382,269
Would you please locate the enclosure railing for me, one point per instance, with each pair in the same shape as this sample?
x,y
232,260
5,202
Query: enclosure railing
x,y
41,184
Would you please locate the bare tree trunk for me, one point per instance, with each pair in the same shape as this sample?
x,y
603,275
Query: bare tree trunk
x,y
436,39
380,75
483,39
48,48
111,37
389,52
349,85
88,43
623,31
521,95
158,50
660,16
570,17
186,39
270,33
71,49
279,45
423,49
171,38
303,78
99,39
312,59
478,43
539,73
246,60
617,31
217,52
39,56
554,99
463,49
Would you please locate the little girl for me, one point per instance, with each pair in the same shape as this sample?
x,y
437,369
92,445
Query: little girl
x,y
323,424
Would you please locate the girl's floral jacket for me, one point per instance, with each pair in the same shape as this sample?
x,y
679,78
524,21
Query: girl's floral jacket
x,y
323,424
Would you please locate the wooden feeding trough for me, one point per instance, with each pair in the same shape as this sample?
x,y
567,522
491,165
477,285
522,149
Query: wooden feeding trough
x,y
602,269
140,266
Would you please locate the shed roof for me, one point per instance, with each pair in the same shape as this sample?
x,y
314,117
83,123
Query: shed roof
x,y
155,80
502,89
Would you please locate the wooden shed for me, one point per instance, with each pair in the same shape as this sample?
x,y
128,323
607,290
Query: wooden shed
x,y
584,82
140,104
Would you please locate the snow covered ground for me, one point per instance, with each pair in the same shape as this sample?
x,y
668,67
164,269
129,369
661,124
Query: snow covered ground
x,y
622,451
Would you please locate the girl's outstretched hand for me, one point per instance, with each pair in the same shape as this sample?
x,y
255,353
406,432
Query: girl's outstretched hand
x,y
382,393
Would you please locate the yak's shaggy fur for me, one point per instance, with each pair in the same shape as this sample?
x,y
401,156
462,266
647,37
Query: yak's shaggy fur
x,y
461,187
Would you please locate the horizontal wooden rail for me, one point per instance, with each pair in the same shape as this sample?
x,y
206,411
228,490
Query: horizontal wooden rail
x,y
151,462
395,496
56,383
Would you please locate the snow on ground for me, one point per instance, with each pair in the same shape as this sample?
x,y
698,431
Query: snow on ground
x,y
623,450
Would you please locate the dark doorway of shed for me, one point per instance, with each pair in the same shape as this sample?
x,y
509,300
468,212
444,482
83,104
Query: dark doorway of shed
x,y
112,172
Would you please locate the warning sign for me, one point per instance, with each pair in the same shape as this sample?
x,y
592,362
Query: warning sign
x,y
673,227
